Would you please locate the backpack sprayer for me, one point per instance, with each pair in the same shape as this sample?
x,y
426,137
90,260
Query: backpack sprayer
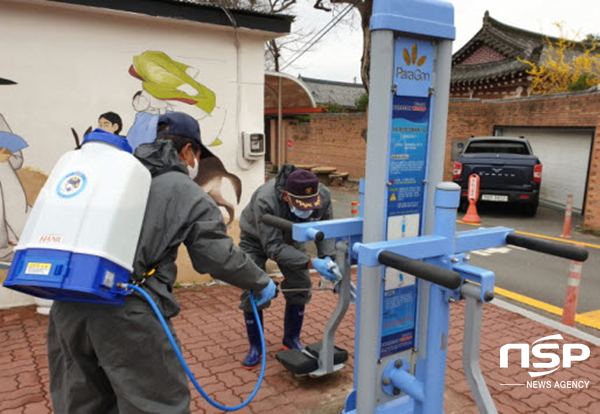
x,y
80,240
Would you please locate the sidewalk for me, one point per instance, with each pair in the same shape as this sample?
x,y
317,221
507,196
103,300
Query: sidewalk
x,y
211,330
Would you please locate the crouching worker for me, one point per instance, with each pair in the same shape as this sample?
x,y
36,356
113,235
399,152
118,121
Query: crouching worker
x,y
294,195
117,359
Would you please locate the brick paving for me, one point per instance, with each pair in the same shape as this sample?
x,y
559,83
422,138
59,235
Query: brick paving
x,y
211,330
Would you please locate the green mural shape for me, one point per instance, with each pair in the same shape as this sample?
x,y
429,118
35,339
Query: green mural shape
x,y
161,77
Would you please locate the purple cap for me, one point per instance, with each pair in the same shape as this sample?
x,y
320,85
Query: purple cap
x,y
302,187
183,125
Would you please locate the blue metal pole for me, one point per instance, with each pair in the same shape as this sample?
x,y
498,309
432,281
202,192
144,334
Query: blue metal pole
x,y
447,197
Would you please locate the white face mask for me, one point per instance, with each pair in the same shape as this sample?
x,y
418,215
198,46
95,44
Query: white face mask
x,y
301,214
193,171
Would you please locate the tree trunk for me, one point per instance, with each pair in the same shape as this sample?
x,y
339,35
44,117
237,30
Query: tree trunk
x,y
366,10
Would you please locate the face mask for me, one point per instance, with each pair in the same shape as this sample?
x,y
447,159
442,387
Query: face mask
x,y
301,214
193,171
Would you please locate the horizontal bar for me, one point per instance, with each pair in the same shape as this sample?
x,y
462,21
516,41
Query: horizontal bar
x,y
329,228
485,279
476,292
277,222
483,238
435,274
286,225
408,384
549,247
416,248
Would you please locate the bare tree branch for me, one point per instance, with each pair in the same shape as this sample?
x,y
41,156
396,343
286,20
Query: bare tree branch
x,y
299,40
365,9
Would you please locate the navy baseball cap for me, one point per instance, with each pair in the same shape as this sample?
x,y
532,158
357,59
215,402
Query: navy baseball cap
x,y
182,125
302,187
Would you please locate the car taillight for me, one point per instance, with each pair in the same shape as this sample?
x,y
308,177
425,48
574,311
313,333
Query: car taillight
x,y
457,173
537,173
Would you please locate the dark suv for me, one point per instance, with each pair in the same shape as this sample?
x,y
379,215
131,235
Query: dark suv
x,y
508,171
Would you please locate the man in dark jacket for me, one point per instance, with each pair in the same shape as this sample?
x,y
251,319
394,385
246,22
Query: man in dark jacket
x,y
295,195
117,359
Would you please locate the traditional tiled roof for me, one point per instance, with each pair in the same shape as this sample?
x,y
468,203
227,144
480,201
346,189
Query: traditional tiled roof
x,y
510,42
343,93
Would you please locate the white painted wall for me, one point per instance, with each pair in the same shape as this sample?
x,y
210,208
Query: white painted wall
x,y
71,64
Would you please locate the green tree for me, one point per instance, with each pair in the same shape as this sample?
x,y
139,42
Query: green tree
x,y
362,103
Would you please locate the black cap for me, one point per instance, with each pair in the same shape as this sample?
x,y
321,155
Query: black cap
x,y
302,187
182,125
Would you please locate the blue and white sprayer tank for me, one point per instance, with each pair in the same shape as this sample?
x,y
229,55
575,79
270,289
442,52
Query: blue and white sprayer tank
x,y
81,236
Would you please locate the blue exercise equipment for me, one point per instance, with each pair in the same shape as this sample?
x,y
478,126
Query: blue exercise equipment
x,y
411,261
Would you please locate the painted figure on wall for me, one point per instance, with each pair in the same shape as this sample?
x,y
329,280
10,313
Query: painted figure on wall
x,y
13,201
110,122
148,109
167,80
211,172
167,83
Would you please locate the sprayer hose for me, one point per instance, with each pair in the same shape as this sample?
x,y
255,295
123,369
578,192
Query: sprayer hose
x,y
187,368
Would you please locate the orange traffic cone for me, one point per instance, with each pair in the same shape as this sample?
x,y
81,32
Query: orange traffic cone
x,y
471,216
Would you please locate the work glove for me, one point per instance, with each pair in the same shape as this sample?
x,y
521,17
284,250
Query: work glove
x,y
266,294
323,267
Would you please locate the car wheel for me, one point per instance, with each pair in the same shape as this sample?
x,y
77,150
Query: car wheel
x,y
530,209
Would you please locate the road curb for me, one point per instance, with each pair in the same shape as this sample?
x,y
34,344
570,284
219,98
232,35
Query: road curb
x,y
546,321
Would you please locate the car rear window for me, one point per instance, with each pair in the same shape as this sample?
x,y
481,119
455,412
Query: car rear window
x,y
497,146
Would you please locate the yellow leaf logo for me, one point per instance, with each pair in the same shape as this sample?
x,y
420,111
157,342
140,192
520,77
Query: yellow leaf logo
x,y
411,58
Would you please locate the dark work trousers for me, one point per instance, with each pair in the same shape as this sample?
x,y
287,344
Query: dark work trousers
x,y
107,359
293,278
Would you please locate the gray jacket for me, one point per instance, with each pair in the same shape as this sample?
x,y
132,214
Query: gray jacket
x,y
268,199
179,211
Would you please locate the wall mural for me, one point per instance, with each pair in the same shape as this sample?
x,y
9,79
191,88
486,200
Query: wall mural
x,y
14,206
165,84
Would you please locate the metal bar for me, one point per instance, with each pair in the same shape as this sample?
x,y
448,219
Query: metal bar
x,y
431,273
329,228
415,248
437,349
470,359
326,355
378,134
280,160
277,222
549,247
437,144
470,240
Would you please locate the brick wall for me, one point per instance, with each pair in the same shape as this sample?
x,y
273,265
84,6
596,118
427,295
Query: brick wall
x,y
337,140
483,55
478,118
329,140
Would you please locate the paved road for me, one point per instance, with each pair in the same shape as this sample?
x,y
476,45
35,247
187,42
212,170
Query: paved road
x,y
532,274
538,275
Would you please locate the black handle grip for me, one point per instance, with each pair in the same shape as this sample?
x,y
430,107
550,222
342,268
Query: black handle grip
x,y
566,251
286,225
439,275
277,222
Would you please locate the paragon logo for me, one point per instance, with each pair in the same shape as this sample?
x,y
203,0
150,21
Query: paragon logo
x,y
567,355
413,59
